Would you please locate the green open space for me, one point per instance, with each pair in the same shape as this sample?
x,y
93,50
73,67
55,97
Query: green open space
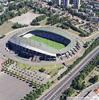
x,y
95,72
48,42
51,69
97,13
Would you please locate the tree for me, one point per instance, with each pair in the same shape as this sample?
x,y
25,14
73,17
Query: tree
x,y
17,25
50,3
78,83
41,70
34,23
94,79
1,8
86,45
70,91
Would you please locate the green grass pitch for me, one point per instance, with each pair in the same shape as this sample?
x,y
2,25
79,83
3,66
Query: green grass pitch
x,y
50,43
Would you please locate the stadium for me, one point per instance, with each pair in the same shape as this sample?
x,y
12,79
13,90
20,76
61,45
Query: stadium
x,y
43,44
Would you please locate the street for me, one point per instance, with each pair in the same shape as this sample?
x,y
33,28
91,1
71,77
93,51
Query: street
x,y
55,93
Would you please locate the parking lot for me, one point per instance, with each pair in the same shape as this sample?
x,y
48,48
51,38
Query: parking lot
x,y
12,88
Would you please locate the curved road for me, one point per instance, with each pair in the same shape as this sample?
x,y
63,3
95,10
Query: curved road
x,y
64,83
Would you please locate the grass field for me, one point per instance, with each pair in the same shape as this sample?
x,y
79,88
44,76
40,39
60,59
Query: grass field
x,y
50,43
51,69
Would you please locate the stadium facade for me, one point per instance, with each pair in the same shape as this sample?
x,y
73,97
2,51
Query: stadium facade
x,y
28,48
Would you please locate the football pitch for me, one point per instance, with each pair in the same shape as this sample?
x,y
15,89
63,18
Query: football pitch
x,y
48,42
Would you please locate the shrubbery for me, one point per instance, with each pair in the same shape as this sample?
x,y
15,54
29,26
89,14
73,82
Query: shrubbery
x,y
16,25
93,45
38,19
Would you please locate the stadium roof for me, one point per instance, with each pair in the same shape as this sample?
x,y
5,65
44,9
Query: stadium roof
x,y
41,47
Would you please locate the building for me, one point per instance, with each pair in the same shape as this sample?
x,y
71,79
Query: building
x,y
59,2
66,3
93,95
76,4
24,46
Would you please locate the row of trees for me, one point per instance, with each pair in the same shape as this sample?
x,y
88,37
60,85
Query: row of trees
x,y
37,92
78,83
55,19
89,49
13,10
38,19
37,89
82,33
17,25
70,91
42,10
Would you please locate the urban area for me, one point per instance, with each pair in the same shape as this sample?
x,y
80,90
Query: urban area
x,y
49,49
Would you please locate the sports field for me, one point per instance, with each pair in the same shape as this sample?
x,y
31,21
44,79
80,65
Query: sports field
x,y
48,42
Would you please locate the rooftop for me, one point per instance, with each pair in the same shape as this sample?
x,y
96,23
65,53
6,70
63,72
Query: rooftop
x,y
41,47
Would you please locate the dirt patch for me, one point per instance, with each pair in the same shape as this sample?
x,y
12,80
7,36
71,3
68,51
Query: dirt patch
x,y
5,28
25,18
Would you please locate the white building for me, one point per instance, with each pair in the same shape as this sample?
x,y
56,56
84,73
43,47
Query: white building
x,y
59,2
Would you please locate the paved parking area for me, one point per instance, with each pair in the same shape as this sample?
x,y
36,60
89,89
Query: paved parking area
x,y
1,61
12,88
25,18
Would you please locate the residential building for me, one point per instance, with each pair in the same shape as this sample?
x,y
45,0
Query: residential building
x,y
76,4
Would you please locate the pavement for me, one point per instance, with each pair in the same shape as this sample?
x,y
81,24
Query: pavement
x,y
91,37
88,89
55,93
12,88
61,86
5,53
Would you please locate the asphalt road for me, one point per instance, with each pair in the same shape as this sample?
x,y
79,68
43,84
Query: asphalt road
x,y
59,88
54,93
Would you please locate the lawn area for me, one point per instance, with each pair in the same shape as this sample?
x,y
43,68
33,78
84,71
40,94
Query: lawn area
x,y
50,43
51,69
97,13
92,74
